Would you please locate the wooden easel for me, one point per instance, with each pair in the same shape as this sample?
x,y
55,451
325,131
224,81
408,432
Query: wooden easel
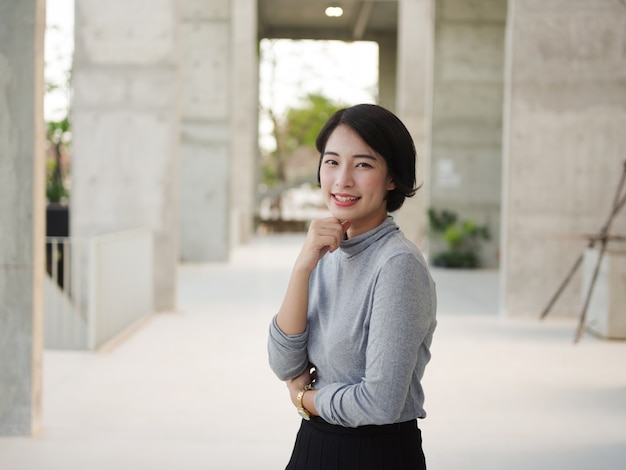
x,y
603,237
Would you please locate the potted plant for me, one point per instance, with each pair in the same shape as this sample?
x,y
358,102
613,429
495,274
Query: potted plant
x,y
57,210
461,237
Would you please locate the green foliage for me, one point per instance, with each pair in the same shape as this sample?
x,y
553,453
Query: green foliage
x,y
57,131
304,123
440,221
462,239
57,135
456,259
55,188
269,174
296,129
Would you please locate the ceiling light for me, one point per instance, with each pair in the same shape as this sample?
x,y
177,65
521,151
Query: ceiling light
x,y
334,11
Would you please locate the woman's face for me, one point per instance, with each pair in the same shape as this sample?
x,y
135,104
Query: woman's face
x,y
354,181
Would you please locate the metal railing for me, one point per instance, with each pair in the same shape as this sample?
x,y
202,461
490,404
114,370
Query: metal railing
x,y
65,320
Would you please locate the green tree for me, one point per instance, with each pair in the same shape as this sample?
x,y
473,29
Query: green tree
x,y
298,128
57,135
58,128
304,123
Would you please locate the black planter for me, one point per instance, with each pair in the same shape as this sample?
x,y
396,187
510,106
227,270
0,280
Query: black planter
x,y
57,225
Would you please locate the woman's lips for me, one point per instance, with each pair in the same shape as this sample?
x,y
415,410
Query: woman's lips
x,y
345,199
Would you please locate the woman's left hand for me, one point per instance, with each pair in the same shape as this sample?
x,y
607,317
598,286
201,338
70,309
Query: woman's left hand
x,y
297,384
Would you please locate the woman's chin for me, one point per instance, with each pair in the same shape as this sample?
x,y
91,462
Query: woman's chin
x,y
339,213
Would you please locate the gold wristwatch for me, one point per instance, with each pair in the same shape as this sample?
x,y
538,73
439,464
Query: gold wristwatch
x,y
301,410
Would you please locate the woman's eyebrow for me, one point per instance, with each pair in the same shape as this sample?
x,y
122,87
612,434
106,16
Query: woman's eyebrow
x,y
366,156
358,155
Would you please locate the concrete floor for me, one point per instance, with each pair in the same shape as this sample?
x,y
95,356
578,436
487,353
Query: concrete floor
x,y
191,389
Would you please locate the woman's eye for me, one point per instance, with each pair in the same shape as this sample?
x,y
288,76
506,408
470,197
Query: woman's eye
x,y
330,162
364,165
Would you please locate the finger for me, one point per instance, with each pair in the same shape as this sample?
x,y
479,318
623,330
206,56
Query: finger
x,y
345,225
325,235
329,225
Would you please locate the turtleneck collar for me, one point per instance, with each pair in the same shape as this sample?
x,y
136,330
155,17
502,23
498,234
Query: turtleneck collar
x,y
354,246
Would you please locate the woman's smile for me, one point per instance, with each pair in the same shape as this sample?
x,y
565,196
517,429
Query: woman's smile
x,y
345,199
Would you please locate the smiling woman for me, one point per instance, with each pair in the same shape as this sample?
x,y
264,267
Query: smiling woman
x,y
352,336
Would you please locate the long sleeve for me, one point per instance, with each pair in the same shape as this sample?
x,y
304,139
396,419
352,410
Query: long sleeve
x,y
401,324
370,322
288,356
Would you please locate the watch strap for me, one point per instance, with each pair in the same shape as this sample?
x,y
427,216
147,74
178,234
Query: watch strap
x,y
301,409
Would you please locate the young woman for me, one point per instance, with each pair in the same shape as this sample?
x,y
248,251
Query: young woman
x,y
352,336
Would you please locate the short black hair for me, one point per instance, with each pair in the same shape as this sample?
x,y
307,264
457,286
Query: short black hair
x,y
385,133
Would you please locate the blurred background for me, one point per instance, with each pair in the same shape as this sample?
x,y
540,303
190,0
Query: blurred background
x,y
144,139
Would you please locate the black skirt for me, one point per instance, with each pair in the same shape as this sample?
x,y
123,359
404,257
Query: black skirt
x,y
323,446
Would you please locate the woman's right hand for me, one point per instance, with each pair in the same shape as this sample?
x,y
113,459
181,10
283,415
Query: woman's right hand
x,y
323,237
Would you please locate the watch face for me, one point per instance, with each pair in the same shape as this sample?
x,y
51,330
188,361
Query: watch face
x,y
305,415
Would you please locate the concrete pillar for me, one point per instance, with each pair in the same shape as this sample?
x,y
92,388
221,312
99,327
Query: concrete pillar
x,y
244,120
387,71
415,71
126,130
22,214
564,140
219,126
206,53
466,145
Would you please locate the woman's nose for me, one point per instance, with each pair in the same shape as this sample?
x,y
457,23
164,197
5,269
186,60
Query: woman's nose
x,y
344,177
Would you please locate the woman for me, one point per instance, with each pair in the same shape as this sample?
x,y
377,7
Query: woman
x,y
352,336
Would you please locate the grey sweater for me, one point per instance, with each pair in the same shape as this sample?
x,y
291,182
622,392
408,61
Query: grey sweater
x,y
370,324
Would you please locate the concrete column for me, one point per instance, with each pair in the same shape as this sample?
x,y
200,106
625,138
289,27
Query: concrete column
x,y
415,71
22,214
564,140
219,126
244,120
387,71
466,148
126,131
206,56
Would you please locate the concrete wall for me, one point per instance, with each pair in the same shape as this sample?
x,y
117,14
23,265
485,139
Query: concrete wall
x,y
22,213
219,129
244,142
126,127
564,139
387,71
132,118
413,106
206,53
467,114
